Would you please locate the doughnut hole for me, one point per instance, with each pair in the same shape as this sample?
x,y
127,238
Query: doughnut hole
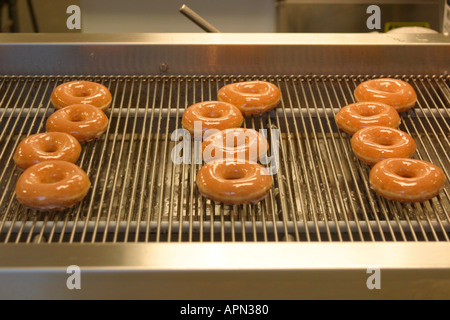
x,y
387,86
81,91
247,88
53,177
212,112
409,171
234,173
406,174
385,141
387,138
236,141
368,110
50,147
241,142
77,116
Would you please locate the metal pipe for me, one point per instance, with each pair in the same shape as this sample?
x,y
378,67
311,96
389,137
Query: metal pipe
x,y
198,20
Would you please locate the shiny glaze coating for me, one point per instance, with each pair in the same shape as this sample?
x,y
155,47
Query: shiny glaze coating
x,y
396,93
81,92
212,115
52,185
233,182
45,147
83,121
233,144
356,116
373,144
251,97
406,180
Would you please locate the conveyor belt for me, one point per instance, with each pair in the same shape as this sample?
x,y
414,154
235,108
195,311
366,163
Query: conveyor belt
x,y
320,194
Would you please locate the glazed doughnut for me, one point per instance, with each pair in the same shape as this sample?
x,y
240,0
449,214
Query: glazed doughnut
x,y
251,97
234,183
373,144
396,93
235,144
359,115
83,121
81,92
211,115
46,146
406,180
52,185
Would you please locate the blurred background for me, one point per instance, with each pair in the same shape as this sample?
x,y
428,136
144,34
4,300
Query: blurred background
x,y
115,16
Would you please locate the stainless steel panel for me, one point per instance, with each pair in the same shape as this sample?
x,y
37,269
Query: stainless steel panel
x,y
223,54
133,247
325,16
227,271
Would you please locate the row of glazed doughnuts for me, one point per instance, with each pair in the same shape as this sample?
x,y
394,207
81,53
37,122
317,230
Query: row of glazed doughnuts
x,y
48,159
232,174
373,121
51,180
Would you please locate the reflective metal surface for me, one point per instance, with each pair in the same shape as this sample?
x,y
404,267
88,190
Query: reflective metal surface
x,y
228,271
351,16
223,54
145,232
141,193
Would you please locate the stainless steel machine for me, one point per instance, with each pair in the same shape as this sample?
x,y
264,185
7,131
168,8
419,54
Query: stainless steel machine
x,y
351,15
144,231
